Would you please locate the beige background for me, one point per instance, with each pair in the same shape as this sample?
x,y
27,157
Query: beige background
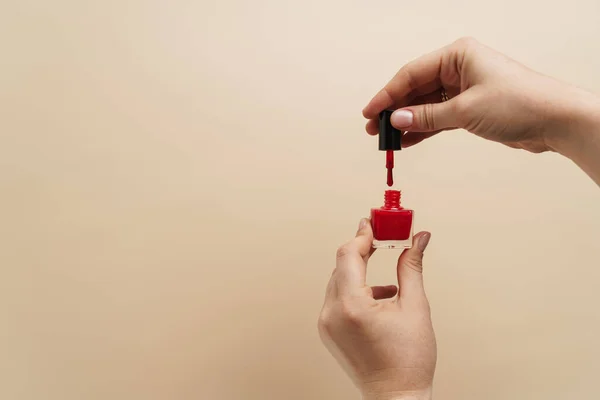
x,y
176,177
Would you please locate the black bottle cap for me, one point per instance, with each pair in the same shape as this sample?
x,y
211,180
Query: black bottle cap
x,y
390,138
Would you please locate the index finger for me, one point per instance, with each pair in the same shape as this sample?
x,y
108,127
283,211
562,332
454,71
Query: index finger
x,y
351,259
418,77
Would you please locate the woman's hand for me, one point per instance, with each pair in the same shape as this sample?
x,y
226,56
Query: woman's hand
x,y
488,94
385,343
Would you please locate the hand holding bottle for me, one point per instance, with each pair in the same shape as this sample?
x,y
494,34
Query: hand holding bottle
x,y
385,343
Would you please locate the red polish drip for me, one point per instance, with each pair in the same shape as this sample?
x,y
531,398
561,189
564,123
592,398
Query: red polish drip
x,y
389,164
392,221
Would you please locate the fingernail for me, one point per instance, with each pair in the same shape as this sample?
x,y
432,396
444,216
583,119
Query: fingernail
x,y
362,224
401,118
424,241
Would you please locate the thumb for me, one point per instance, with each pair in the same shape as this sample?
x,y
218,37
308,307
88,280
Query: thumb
x,y
410,270
426,117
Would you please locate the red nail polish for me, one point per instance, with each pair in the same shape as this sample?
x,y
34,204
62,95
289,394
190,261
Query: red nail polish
x,y
392,224
389,165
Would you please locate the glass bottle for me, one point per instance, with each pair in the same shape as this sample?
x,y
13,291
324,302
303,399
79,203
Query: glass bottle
x,y
392,224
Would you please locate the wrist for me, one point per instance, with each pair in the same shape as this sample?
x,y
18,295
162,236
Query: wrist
x,y
395,384
580,136
413,395
400,397
576,122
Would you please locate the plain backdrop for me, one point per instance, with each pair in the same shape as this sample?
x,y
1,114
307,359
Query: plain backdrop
x,y
175,178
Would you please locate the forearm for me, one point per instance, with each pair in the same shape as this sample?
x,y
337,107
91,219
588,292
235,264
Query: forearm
x,y
579,139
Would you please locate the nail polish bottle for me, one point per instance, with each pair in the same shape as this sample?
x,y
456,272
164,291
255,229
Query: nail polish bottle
x,y
392,224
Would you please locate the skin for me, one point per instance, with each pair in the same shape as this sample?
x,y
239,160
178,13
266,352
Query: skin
x,y
383,336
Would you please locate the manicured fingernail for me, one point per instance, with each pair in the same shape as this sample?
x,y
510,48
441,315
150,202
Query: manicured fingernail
x,y
424,241
402,118
362,224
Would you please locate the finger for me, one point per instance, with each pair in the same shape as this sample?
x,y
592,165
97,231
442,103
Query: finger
x,y
428,117
351,260
410,271
416,78
433,97
423,75
372,126
384,292
411,138
370,253
364,237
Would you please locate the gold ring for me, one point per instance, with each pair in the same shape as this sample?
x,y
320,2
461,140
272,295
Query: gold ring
x,y
444,95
